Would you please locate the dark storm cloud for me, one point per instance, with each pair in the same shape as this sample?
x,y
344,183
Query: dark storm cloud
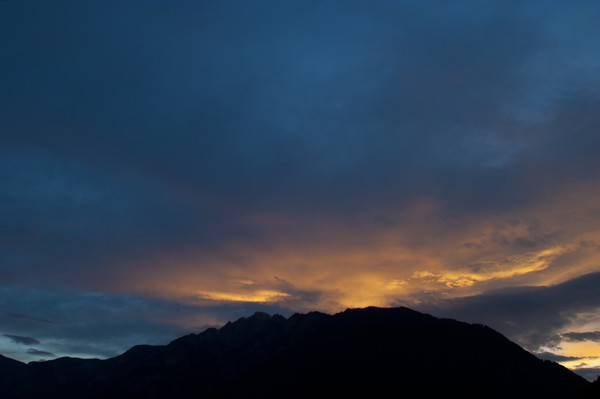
x,y
533,316
294,99
141,124
22,340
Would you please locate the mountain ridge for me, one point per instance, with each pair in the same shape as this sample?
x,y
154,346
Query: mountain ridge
x,y
369,350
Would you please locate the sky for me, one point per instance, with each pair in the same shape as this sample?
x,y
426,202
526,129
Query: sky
x,y
169,166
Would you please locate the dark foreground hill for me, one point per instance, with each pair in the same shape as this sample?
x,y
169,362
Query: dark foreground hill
x,y
8,366
376,352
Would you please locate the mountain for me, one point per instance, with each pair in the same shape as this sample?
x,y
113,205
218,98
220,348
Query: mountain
x,y
8,366
373,352
590,391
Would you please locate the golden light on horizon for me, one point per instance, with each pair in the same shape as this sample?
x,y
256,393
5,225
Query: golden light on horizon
x,y
258,296
586,354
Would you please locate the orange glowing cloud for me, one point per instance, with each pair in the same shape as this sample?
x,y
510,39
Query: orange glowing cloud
x,y
493,268
257,296
327,263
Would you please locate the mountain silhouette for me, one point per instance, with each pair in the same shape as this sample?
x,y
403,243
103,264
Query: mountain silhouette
x,y
8,366
590,391
374,352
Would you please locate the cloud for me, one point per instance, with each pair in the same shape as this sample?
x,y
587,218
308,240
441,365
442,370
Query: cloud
x,y
557,358
438,116
22,340
499,268
31,318
582,336
329,263
36,352
259,296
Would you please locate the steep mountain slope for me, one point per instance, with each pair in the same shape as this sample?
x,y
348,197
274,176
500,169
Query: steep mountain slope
x,y
8,365
590,391
368,351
